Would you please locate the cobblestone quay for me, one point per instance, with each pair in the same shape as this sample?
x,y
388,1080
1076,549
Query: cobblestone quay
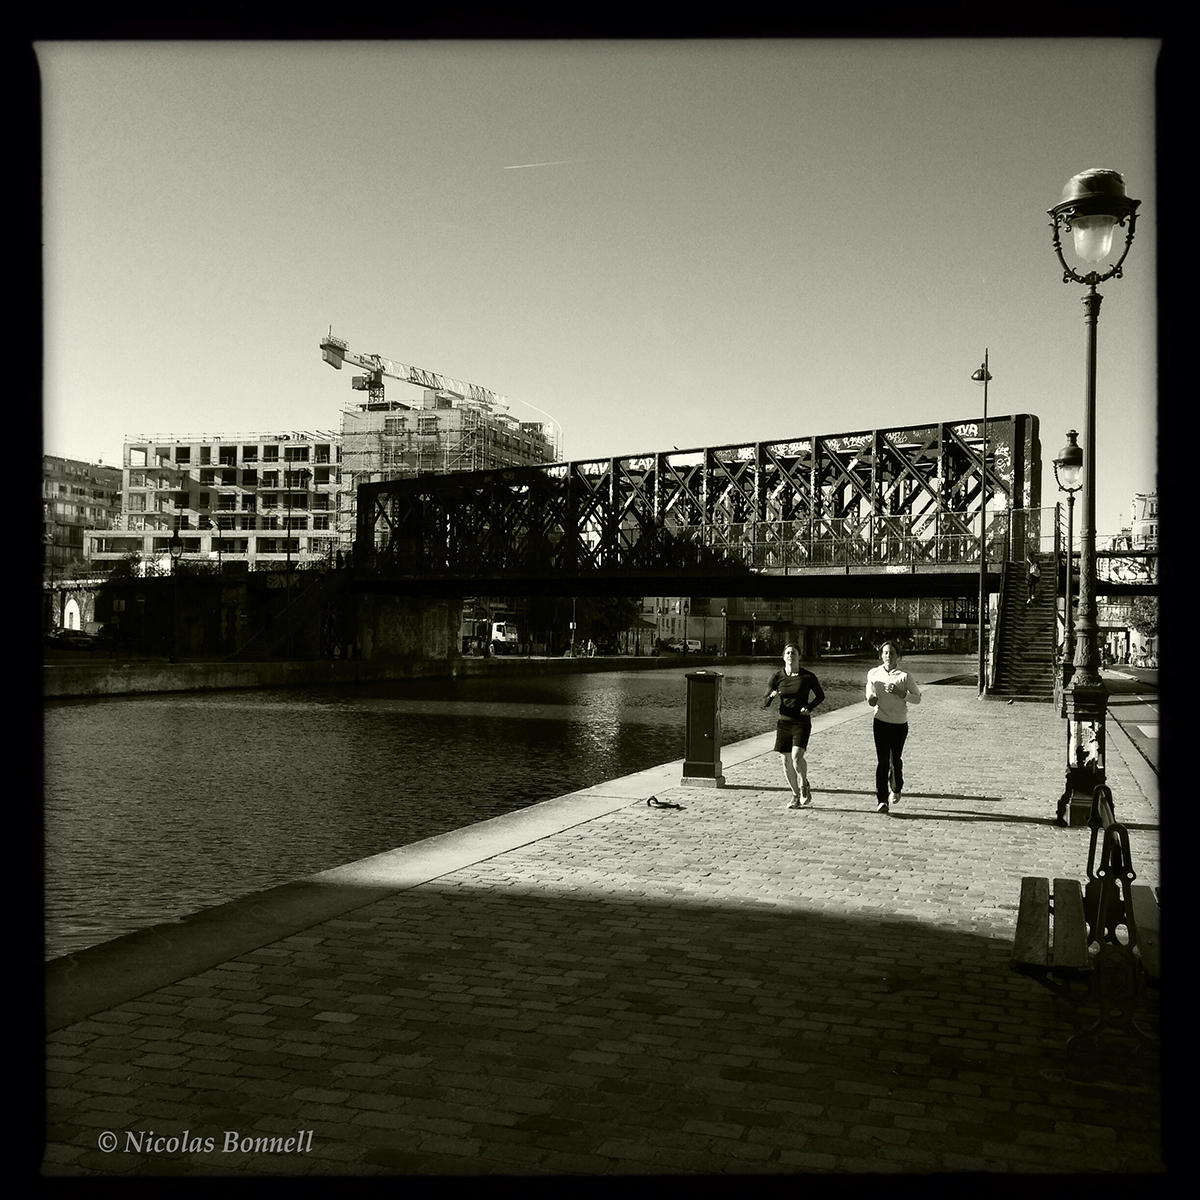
x,y
596,985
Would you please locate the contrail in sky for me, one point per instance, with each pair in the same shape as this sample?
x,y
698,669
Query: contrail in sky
x,y
558,162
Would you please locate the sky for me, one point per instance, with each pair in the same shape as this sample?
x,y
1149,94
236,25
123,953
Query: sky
x,y
659,244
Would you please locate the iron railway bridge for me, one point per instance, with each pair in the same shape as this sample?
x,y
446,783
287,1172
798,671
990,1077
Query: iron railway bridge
x,y
891,512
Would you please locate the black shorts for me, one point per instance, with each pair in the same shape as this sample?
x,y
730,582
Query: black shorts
x,y
791,733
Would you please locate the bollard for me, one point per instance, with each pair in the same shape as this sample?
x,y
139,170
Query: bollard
x,y
702,759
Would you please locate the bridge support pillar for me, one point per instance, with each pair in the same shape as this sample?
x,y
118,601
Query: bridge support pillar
x,y
407,628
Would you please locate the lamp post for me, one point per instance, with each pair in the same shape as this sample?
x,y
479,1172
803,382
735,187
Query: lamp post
x,y
175,549
983,376
216,532
685,625
291,479
1068,471
1093,205
753,634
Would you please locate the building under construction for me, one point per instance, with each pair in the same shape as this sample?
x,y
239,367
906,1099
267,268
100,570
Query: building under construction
x,y
449,426
442,432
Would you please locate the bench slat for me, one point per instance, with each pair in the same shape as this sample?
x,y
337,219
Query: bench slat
x,y
1031,947
1145,902
1070,928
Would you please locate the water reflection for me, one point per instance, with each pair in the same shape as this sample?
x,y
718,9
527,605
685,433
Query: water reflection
x,y
156,806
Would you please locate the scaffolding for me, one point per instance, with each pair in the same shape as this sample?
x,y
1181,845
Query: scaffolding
x,y
444,434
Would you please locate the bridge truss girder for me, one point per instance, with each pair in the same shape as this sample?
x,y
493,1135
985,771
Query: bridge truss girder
x,y
881,498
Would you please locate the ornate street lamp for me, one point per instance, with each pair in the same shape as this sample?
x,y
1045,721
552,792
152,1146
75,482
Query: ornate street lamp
x,y
984,377
1093,206
1068,473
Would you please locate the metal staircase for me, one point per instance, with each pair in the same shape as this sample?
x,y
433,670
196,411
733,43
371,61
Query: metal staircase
x,y
1023,649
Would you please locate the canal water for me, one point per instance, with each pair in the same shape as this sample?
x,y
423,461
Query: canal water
x,y
158,806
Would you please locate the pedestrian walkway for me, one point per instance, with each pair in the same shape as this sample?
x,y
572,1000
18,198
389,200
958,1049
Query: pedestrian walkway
x,y
600,986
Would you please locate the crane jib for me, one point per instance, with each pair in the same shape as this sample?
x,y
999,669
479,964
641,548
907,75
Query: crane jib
x,y
335,352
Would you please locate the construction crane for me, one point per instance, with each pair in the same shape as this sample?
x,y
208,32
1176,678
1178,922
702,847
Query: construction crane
x,y
335,351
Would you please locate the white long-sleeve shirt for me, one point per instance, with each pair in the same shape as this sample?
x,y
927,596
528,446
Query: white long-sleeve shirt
x,y
892,706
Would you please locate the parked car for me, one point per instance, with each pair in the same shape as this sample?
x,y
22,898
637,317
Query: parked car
x,y
70,639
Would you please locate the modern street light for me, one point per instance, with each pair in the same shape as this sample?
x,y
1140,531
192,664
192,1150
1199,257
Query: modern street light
x,y
1093,206
1068,473
175,549
983,376
290,480
215,526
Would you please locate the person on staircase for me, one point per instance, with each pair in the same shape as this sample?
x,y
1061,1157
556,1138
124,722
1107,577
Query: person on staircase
x,y
1035,573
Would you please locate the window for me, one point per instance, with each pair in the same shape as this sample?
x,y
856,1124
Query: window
x,y
268,546
321,454
249,454
320,522
250,477
208,478
137,502
205,455
203,500
249,504
227,503
137,456
249,522
270,454
270,479
228,456
229,478
183,454
295,453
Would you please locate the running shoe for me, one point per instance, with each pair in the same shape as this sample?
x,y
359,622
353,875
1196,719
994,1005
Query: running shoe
x,y
894,798
882,806
795,802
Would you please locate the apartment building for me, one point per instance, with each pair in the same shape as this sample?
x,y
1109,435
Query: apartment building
x,y
76,496
261,498
269,498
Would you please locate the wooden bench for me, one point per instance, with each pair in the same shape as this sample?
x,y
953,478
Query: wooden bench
x,y
1098,942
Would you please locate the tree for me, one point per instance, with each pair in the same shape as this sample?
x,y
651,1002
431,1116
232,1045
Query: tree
x,y
1143,616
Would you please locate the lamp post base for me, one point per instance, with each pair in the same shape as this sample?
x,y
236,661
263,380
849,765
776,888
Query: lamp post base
x,y
1075,804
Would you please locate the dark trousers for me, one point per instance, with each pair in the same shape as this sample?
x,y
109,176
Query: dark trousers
x,y
889,745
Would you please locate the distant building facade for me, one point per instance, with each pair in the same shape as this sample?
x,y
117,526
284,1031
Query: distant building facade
x,y
76,496
1143,521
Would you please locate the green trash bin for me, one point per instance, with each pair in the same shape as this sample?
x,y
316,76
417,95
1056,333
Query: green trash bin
x,y
702,756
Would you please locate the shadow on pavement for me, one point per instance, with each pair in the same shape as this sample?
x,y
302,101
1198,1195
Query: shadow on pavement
x,y
584,1027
